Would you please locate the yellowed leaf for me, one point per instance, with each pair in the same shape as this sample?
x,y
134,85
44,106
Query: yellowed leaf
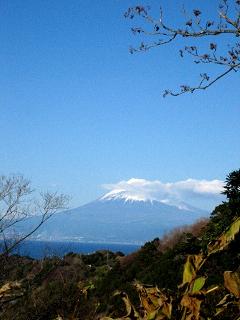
x,y
192,302
232,282
223,241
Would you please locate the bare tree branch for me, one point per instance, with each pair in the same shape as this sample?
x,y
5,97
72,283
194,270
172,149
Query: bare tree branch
x,y
227,23
17,205
200,86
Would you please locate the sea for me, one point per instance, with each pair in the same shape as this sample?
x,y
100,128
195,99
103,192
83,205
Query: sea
x,y
39,249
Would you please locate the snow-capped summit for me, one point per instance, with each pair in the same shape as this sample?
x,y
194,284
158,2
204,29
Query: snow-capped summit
x,y
126,196
123,195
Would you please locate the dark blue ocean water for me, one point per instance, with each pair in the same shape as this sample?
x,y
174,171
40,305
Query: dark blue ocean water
x,y
40,249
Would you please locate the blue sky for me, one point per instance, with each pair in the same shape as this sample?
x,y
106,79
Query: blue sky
x,y
78,111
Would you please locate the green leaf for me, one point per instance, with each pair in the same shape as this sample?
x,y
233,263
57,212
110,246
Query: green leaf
x,y
198,284
191,267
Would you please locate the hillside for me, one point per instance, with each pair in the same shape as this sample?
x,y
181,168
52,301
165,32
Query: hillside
x,y
191,274
44,289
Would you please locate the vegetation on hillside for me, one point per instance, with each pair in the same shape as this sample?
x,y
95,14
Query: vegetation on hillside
x,y
192,273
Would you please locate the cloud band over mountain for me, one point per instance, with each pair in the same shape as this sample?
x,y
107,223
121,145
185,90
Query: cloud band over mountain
x,y
193,191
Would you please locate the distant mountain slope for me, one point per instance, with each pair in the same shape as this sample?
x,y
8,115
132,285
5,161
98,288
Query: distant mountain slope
x,y
118,219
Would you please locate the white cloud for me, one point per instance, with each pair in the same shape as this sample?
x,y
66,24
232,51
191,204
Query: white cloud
x,y
191,191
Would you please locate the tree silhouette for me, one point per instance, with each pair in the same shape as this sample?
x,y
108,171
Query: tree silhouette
x,y
232,187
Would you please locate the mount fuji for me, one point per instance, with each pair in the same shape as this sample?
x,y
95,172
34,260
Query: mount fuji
x,y
118,217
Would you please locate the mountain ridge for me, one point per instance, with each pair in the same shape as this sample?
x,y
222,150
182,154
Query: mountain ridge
x,y
120,220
